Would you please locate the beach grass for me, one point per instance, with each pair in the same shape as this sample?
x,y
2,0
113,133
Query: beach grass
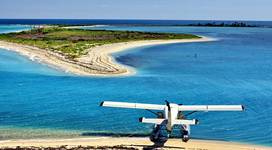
x,y
73,43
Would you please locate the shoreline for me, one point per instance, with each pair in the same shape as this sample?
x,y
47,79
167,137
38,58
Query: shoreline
x,y
130,142
98,61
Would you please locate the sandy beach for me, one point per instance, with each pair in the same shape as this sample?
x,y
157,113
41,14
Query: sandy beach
x,y
97,62
138,143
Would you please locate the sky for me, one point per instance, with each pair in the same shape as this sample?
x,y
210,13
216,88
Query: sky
x,y
138,9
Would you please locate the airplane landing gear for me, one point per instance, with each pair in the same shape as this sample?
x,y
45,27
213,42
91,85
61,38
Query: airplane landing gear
x,y
185,138
158,137
185,133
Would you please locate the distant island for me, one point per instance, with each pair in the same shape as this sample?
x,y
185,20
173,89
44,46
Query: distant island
x,y
84,52
196,24
215,24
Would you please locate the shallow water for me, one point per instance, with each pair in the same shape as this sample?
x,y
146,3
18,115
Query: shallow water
x,y
237,69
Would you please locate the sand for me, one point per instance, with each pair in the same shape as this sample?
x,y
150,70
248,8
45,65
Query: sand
x,y
132,142
97,62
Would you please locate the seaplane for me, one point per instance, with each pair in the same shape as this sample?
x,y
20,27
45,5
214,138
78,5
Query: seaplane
x,y
170,116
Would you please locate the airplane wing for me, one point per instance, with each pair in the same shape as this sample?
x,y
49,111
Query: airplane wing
x,y
161,121
211,108
132,105
152,120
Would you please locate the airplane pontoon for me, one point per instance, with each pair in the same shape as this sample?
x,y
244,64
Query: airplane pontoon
x,y
170,116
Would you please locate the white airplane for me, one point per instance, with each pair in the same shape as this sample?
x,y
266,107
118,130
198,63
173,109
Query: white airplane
x,y
171,115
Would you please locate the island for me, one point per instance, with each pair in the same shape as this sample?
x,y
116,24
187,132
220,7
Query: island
x,y
85,52
222,24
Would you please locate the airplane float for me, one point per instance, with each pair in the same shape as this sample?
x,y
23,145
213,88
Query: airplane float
x,y
170,116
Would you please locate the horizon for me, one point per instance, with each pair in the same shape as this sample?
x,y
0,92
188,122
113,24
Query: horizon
x,y
148,10
129,19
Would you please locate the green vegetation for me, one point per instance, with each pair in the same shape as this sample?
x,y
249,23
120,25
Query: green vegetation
x,y
74,42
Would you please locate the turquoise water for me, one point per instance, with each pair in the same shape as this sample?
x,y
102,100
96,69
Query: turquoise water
x,y
37,101
14,28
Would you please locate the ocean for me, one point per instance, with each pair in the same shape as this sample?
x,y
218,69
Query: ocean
x,y
37,101
126,22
